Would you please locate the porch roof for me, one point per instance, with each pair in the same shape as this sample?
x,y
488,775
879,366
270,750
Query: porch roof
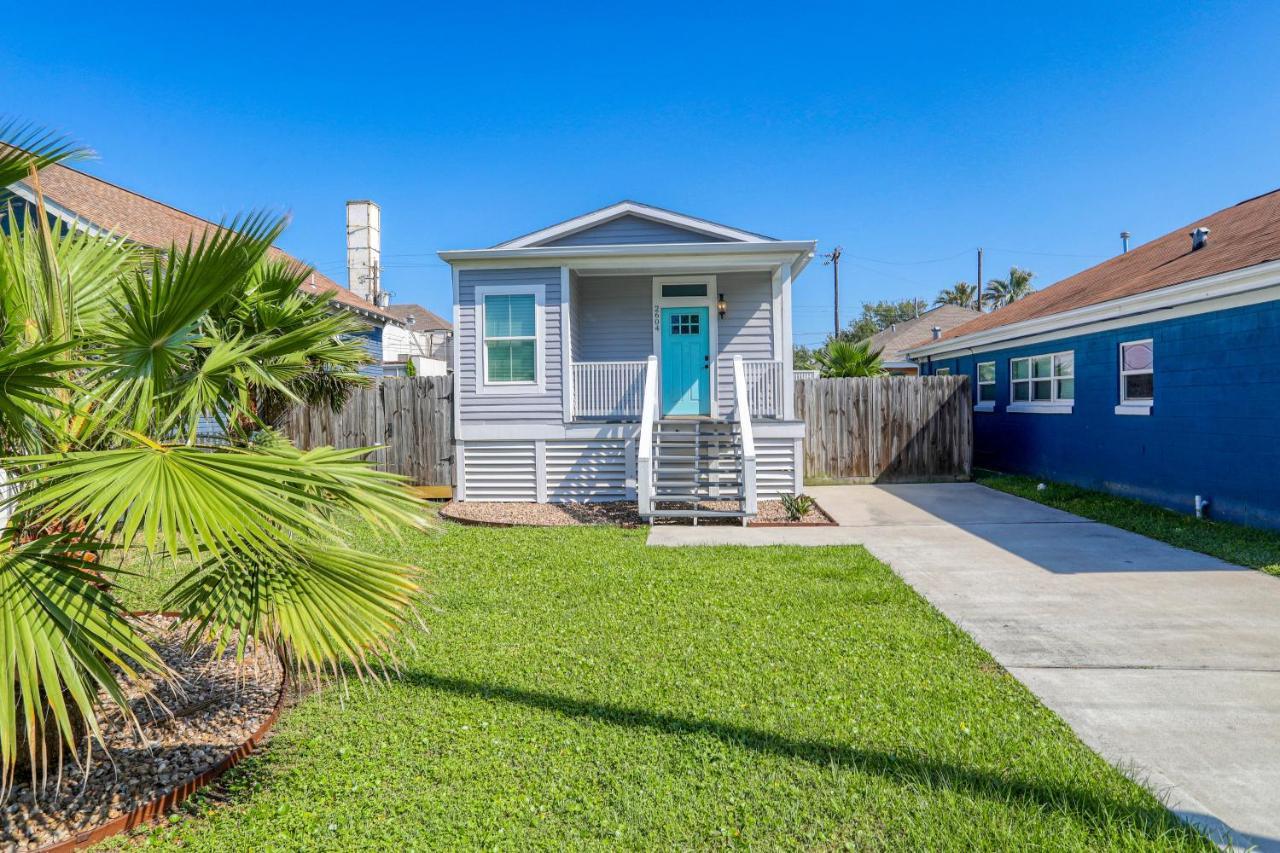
x,y
646,257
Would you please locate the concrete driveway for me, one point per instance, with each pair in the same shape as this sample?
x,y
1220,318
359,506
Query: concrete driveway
x,y
1165,661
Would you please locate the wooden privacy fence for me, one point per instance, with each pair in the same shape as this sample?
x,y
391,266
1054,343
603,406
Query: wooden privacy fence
x,y
412,416
888,429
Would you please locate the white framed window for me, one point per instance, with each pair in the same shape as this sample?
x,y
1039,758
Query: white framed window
x,y
511,338
986,385
1137,377
1043,383
942,371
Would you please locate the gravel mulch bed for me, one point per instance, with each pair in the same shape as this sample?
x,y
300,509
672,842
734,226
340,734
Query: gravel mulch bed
x,y
622,513
187,728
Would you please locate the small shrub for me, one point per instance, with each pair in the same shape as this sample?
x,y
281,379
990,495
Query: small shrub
x,y
796,506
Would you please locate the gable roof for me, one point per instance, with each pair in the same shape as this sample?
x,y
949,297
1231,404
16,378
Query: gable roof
x,y
894,341
1243,235
99,205
423,320
705,227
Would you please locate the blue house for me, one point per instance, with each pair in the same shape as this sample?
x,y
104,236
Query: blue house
x,y
631,353
1154,375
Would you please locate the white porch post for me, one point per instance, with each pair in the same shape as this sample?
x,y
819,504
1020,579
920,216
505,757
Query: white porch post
x,y
566,347
782,336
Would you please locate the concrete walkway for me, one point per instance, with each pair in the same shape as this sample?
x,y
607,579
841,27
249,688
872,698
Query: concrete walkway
x,y
1165,661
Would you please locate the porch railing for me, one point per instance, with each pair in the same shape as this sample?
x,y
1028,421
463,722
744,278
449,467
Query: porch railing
x,y
741,393
608,389
644,453
764,385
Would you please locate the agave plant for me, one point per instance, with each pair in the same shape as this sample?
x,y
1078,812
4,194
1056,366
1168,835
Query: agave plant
x,y
840,359
111,360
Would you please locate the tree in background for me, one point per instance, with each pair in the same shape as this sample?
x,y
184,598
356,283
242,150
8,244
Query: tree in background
x,y
1002,292
802,358
962,293
842,359
881,315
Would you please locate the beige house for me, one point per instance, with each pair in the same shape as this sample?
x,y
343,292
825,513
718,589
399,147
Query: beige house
x,y
894,341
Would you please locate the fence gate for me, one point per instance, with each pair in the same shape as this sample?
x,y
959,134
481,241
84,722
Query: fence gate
x,y
411,416
887,429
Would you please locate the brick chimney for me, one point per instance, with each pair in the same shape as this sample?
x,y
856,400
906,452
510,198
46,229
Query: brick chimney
x,y
364,249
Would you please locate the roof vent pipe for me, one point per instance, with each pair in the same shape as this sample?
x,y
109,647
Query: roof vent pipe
x,y
1124,242
937,332
1199,238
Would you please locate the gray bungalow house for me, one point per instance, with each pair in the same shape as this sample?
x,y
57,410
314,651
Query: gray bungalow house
x,y
632,353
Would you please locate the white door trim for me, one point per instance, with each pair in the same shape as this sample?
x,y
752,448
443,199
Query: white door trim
x,y
713,326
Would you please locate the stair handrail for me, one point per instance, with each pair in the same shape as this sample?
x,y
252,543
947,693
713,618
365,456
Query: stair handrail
x,y
644,453
743,407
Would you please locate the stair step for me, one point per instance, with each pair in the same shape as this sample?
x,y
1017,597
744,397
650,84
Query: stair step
x,y
699,513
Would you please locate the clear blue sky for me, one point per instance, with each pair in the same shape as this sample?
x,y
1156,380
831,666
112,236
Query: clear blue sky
x,y
909,137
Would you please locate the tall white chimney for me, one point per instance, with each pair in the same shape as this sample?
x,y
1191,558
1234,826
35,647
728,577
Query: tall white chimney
x,y
364,249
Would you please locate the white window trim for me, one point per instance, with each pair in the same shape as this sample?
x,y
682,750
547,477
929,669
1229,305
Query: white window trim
x,y
979,404
539,385
1054,406
942,371
1135,407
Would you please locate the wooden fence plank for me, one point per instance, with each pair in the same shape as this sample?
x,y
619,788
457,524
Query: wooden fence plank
x,y
890,429
409,420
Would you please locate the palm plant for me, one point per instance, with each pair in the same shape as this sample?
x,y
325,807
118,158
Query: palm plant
x,y
1002,292
111,357
961,293
840,359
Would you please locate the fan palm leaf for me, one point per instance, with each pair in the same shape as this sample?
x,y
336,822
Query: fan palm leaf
x,y
841,359
62,632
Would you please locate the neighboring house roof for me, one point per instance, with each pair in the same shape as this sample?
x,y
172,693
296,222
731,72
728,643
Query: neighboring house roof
x,y
894,341
423,320
1240,236
712,230
100,205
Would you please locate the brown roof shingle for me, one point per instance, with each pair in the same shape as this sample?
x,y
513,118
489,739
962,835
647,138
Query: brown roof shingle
x,y
1240,236
152,223
423,320
900,337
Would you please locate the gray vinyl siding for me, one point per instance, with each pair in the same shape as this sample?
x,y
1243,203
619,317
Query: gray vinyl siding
x,y
632,229
747,326
575,317
503,408
614,318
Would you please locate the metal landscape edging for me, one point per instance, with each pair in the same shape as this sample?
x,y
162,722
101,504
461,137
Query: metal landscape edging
x,y
177,795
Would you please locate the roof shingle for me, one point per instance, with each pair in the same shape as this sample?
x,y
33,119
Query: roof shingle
x,y
152,223
1240,236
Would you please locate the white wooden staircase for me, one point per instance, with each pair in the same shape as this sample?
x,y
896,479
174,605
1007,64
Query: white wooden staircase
x,y
696,467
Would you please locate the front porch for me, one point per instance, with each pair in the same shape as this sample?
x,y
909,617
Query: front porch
x,y
613,391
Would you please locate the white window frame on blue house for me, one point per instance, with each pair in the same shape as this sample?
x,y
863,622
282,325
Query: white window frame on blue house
x,y
1055,405
979,404
1135,407
483,384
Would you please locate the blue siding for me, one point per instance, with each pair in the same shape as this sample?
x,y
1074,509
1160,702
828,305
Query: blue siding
x,y
372,340
1214,429
632,229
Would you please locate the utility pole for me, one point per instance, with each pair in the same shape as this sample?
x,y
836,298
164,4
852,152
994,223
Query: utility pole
x,y
979,279
833,258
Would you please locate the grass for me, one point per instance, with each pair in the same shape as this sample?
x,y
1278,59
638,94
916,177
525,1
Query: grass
x,y
1235,543
574,689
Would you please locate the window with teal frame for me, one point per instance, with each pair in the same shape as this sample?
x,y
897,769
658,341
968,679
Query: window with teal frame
x,y
511,338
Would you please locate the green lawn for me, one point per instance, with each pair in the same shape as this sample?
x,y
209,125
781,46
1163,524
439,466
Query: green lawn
x,y
1235,543
571,688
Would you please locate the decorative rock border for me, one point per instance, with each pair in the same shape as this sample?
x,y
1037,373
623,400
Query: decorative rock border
x,y
480,522
174,797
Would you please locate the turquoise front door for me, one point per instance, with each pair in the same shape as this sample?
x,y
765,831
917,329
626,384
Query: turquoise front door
x,y
686,362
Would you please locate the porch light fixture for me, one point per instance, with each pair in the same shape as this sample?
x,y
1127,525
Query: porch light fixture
x,y
722,306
